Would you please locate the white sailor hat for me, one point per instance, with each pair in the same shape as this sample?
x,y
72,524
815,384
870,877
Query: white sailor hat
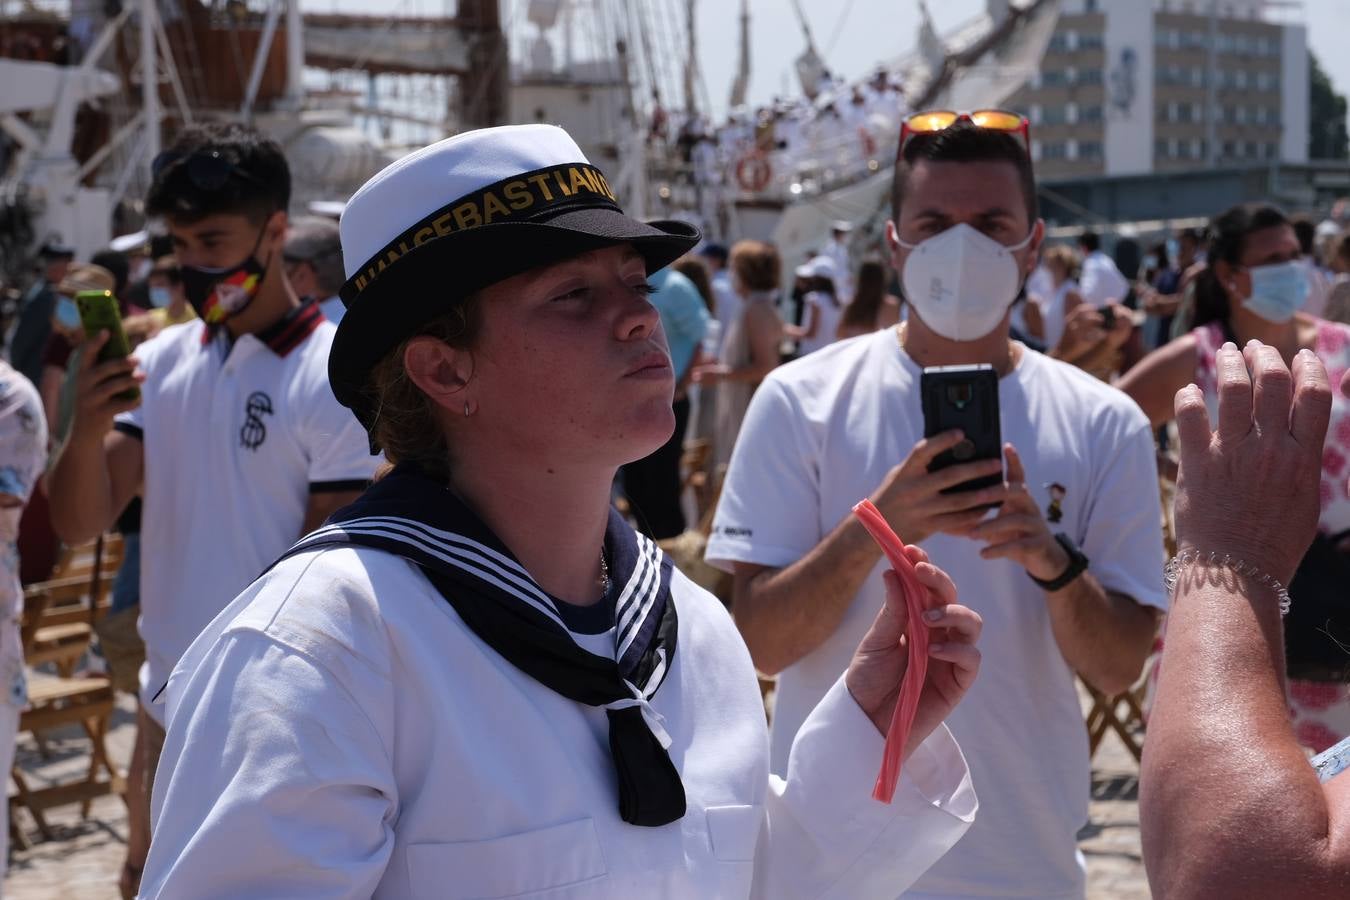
x,y
462,214
816,267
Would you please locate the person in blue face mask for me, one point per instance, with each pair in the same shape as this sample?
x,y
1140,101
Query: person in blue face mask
x,y
1253,289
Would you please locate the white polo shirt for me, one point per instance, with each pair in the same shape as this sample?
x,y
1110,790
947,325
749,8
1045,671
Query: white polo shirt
x,y
821,434
235,438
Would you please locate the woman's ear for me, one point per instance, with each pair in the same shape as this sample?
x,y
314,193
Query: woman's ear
x,y
439,371
1234,280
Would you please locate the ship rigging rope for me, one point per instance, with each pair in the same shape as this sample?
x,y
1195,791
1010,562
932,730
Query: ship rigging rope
x,y
839,26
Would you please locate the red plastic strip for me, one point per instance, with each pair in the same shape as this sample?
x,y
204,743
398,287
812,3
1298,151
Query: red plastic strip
x,y
916,601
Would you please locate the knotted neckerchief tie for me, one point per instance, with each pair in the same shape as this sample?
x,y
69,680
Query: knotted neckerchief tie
x,y
411,516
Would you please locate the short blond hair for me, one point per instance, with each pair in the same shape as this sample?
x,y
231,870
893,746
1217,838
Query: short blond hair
x,y
757,265
1064,255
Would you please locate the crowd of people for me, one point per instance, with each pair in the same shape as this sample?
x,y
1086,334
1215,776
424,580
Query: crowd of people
x,y
394,495
828,134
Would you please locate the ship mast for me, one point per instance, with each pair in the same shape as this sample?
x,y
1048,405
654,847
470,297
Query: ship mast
x,y
740,87
482,94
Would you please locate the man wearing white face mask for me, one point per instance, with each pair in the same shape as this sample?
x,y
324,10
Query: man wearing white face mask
x,y
1254,287
1068,569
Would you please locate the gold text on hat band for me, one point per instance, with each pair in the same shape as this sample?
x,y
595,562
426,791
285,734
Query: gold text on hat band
x,y
521,198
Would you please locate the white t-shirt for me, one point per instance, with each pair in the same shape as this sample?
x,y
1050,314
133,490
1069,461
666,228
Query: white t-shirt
x,y
828,313
235,440
1100,281
821,434
339,731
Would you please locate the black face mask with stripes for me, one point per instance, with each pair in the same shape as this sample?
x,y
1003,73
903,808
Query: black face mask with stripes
x,y
414,517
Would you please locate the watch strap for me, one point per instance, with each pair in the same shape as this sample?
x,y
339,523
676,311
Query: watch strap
x,y
1078,564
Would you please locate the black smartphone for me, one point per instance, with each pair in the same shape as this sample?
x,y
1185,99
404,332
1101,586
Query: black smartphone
x,y
1109,318
964,397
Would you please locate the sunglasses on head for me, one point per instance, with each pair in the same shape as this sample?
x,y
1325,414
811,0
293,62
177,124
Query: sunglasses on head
x,y
936,120
208,170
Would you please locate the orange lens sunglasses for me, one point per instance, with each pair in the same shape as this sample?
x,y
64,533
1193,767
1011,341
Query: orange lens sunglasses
x,y
935,120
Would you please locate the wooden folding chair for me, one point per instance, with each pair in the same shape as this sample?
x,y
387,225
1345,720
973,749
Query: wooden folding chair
x,y
56,628
60,613
1105,714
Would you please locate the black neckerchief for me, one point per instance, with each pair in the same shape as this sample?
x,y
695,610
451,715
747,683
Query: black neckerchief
x,y
414,517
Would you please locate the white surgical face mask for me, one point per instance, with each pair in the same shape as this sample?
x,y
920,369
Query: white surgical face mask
x,y
1278,290
961,282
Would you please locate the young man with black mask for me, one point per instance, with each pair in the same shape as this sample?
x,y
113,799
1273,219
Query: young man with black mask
x,y
236,441
1066,572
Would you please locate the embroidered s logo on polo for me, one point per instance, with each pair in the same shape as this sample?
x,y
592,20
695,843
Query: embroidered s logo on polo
x,y
254,430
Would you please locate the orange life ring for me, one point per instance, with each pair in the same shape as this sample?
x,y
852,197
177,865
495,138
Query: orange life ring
x,y
753,172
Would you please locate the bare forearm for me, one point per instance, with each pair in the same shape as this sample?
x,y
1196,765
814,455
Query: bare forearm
x,y
79,489
1105,637
784,615
1222,760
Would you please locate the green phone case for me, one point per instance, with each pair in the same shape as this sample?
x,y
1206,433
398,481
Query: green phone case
x,y
99,312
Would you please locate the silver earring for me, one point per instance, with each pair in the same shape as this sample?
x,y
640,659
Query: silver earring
x,y
466,409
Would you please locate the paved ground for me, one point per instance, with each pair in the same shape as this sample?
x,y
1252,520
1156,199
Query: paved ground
x,y
83,863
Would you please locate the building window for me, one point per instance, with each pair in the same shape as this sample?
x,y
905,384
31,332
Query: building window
x,y
1089,76
1197,76
1090,41
1053,78
1183,112
1241,115
1054,150
1091,113
1160,149
1089,149
1052,115
1229,149
1161,38
1059,42
1271,151
1253,151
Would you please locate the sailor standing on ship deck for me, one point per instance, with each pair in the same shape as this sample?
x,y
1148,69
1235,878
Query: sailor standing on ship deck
x,y
478,680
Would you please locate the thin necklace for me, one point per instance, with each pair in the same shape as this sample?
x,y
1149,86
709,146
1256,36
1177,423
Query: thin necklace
x,y
902,331
604,576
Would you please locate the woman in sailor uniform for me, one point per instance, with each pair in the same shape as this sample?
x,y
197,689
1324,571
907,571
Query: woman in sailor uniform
x,y
478,680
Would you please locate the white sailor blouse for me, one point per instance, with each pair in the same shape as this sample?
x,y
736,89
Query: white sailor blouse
x,y
396,709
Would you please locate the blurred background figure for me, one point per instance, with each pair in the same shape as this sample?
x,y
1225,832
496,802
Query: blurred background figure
x,y
822,307
313,256
873,307
750,350
1101,281
33,324
837,251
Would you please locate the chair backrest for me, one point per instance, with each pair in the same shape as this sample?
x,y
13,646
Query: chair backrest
x,y
78,591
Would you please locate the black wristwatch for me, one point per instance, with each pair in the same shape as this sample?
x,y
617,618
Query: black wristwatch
x,y
1078,564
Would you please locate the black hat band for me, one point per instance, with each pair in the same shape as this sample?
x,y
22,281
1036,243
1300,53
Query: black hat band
x,y
526,197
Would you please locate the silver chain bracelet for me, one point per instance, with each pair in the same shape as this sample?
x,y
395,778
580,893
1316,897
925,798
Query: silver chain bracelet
x,y
1213,559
